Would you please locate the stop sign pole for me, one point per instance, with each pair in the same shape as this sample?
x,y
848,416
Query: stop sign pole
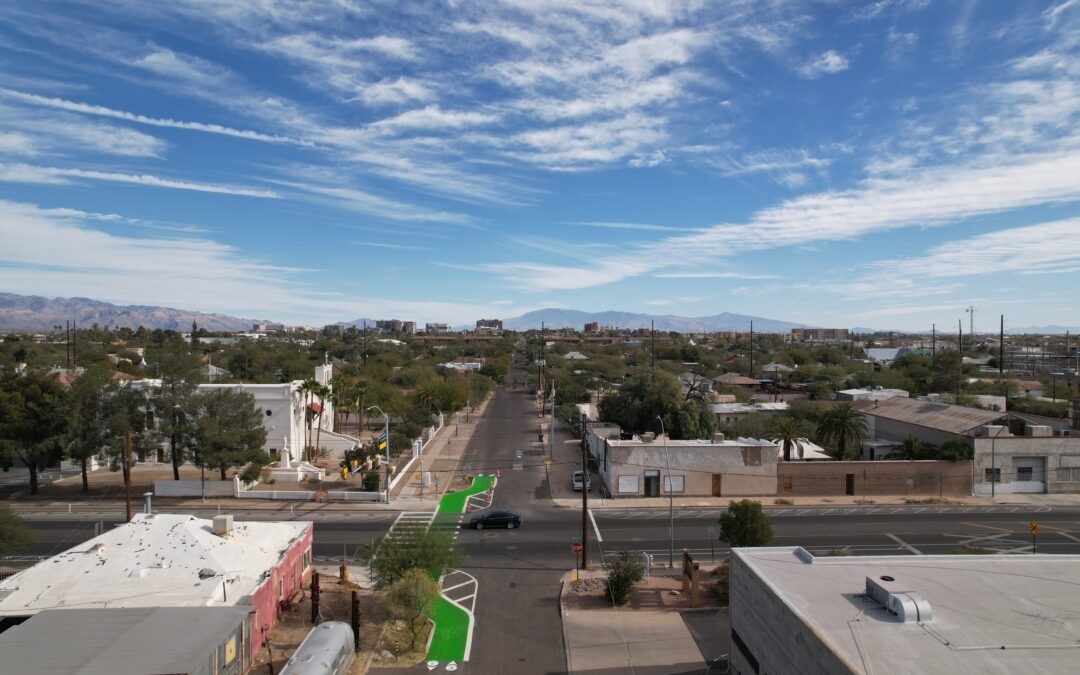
x,y
577,548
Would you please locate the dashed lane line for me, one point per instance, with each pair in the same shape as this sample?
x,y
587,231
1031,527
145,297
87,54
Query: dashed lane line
x,y
903,544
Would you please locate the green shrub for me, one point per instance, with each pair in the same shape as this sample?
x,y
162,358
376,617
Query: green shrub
x,y
624,569
745,524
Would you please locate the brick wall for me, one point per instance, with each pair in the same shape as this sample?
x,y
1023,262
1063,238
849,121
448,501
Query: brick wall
x,y
921,478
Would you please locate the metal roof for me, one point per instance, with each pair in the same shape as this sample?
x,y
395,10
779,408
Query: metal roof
x,y
953,419
122,641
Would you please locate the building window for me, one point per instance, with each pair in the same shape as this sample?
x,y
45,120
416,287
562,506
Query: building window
x,y
674,484
1069,474
993,475
1024,473
281,589
307,558
628,484
737,640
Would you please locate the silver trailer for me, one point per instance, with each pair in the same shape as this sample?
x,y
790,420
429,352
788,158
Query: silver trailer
x,y
327,650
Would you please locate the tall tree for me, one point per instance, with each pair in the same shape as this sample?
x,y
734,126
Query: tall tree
x,y
33,421
14,534
845,426
307,389
88,418
787,431
172,400
745,524
913,447
230,429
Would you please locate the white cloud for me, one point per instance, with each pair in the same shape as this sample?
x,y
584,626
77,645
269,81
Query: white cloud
x,y
828,63
394,92
433,118
14,143
361,201
646,227
101,111
55,252
715,275
25,173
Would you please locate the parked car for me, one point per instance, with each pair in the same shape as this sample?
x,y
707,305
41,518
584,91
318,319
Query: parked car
x,y
578,478
507,519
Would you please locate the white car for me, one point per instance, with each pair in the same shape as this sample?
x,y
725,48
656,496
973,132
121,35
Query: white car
x,y
578,480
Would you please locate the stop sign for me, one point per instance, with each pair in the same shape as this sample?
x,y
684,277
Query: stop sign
x,y
576,547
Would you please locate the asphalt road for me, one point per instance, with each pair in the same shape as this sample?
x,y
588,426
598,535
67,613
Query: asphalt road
x,y
518,628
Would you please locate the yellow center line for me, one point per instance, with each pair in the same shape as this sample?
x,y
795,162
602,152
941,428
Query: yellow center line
x,y
989,527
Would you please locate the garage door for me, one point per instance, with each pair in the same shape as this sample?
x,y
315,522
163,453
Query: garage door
x,y
1029,474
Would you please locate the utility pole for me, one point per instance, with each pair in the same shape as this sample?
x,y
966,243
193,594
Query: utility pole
x,y
971,325
751,349
960,364
933,345
652,332
1001,360
74,342
67,345
127,474
584,503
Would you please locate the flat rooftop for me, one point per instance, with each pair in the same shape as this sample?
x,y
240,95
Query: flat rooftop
x,y
991,613
159,560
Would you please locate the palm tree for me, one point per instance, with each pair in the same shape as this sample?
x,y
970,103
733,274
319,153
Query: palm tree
x,y
307,388
913,448
845,426
323,392
787,432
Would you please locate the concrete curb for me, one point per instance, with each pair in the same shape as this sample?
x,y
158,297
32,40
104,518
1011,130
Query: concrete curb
x,y
562,619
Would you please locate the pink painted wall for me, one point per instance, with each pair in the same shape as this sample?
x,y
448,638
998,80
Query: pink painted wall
x,y
267,598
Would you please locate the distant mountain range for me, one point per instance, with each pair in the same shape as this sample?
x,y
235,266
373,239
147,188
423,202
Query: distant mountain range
x,y
358,323
36,313
1042,330
570,318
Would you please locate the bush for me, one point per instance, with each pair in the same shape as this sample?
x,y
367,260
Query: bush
x,y
624,569
371,481
429,550
745,524
251,473
410,598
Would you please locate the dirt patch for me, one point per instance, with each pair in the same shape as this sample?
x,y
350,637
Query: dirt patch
x,y
654,593
106,484
334,605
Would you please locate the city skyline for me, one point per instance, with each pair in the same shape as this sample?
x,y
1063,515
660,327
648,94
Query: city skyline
x,y
885,164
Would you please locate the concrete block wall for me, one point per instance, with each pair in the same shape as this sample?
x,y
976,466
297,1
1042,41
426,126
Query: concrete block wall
x,y
773,632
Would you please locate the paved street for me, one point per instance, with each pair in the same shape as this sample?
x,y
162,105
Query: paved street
x,y
518,627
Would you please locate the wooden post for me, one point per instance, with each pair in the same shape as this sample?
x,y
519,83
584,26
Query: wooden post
x,y
355,620
315,593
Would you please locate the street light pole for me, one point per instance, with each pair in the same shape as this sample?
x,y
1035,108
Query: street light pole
x,y
386,435
671,499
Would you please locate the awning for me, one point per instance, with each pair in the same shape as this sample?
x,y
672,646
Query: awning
x,y
315,408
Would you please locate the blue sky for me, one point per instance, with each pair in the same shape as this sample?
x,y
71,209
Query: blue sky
x,y
882,163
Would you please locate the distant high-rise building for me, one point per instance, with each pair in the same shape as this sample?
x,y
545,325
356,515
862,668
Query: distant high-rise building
x,y
488,325
593,327
820,334
436,328
266,327
408,327
390,325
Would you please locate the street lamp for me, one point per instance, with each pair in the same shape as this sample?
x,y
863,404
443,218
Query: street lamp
x,y
671,499
386,435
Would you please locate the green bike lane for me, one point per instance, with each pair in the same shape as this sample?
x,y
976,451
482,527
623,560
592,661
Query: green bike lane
x,y
452,638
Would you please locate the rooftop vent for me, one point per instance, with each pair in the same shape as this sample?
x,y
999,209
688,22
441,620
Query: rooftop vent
x,y
906,605
718,437
648,437
223,525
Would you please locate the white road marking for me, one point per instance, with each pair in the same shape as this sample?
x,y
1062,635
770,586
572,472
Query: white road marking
x,y
596,529
903,543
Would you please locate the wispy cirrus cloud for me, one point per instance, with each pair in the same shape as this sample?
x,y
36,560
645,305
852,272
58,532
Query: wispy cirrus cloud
x,y
640,227
102,111
47,175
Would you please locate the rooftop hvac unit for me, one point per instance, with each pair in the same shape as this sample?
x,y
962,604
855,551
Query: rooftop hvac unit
x,y
223,525
908,606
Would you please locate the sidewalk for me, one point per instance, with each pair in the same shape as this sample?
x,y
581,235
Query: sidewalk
x,y
623,640
596,502
441,458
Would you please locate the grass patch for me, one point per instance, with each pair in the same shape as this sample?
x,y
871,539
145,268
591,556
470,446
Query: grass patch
x,y
836,553
970,550
784,502
451,631
455,501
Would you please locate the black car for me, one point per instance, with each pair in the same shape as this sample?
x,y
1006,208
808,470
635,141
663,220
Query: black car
x,y
507,519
